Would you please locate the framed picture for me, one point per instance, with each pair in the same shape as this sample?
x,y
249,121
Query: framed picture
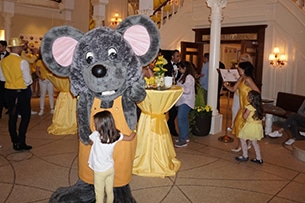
x,y
229,75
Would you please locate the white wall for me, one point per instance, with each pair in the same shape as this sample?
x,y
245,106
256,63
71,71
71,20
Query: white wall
x,y
286,28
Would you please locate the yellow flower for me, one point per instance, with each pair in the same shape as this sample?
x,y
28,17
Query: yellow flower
x,y
201,111
158,69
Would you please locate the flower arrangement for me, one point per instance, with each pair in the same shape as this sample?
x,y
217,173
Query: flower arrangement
x,y
158,69
200,113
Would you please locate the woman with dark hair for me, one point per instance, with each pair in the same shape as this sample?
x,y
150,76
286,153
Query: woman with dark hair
x,y
186,102
244,84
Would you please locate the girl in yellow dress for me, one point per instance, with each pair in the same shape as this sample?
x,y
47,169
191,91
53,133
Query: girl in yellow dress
x,y
253,128
244,84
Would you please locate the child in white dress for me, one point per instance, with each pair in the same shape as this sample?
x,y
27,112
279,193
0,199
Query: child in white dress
x,y
253,128
104,139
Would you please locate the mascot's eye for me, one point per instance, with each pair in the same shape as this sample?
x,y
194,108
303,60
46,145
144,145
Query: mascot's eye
x,y
112,53
89,57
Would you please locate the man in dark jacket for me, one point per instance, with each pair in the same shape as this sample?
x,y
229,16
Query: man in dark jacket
x,y
172,71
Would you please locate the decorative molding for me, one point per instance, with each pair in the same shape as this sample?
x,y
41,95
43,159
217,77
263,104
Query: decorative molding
x,y
217,3
146,12
49,4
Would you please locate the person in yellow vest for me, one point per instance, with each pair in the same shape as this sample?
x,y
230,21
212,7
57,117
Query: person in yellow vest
x,y
30,53
45,86
18,92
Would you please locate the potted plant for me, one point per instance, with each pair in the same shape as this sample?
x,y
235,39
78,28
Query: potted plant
x,y
201,116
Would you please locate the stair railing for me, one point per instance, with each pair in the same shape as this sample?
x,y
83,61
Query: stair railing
x,y
300,3
165,11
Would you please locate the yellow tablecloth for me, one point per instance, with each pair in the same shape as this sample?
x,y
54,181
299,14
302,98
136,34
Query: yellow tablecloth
x,y
155,153
64,119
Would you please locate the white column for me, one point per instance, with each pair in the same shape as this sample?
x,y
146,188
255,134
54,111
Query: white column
x,y
99,11
215,18
146,7
9,8
7,25
66,8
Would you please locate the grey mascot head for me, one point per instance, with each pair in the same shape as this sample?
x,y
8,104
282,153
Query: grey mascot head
x,y
103,63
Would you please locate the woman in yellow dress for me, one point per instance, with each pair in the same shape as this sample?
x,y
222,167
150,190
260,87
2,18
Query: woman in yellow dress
x,y
244,84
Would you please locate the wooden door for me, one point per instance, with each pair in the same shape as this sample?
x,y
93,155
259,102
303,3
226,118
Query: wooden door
x,y
193,52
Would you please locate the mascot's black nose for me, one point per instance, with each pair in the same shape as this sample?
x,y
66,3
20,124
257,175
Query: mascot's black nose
x,y
99,71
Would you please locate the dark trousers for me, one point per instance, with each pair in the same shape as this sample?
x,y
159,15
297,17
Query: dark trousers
x,y
18,101
2,97
172,114
294,122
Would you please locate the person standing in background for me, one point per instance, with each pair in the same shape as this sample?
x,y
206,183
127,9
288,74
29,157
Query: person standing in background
x,y
30,54
172,71
235,102
18,93
45,86
3,53
204,76
220,82
172,68
244,84
186,102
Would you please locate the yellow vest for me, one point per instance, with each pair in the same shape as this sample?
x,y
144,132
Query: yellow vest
x,y
43,69
12,72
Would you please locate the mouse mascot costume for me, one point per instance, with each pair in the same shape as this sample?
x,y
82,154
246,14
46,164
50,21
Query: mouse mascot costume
x,y
105,71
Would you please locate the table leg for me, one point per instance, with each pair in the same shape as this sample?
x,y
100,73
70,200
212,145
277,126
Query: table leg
x,y
268,123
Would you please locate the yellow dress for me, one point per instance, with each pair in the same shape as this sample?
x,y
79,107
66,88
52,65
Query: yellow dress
x,y
64,120
239,121
253,129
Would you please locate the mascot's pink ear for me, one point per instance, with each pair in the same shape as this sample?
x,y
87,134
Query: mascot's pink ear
x,y
63,50
142,35
138,38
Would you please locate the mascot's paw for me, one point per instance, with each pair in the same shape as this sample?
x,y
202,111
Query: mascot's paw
x,y
123,195
78,193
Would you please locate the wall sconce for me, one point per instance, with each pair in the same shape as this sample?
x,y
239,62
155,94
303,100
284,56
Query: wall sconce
x,y
276,59
2,35
116,20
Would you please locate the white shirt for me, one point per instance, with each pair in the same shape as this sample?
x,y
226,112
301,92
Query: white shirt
x,y
175,70
100,158
1,73
188,96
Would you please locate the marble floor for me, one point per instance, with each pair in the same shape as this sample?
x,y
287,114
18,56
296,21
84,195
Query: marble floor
x,y
209,172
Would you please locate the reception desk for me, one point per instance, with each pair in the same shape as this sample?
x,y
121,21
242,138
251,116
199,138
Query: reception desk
x,y
155,153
